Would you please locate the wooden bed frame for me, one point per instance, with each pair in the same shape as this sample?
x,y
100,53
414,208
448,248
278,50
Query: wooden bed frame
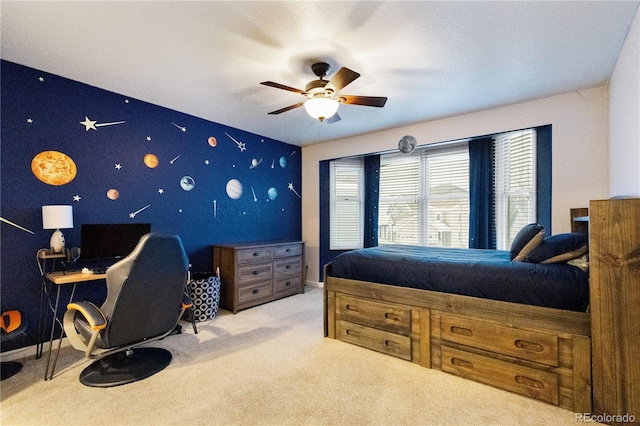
x,y
542,353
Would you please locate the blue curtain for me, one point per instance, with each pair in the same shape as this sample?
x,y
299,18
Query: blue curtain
x,y
482,232
371,198
543,176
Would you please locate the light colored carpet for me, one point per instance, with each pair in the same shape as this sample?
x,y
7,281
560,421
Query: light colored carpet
x,y
267,365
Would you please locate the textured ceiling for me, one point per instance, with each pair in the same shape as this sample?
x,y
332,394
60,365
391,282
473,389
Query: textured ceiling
x,y
431,59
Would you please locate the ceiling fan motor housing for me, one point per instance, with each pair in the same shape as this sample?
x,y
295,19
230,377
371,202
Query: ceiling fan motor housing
x,y
317,88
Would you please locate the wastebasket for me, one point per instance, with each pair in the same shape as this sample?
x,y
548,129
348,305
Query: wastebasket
x,y
204,291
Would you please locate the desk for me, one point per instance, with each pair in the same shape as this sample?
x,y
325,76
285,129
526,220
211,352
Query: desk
x,y
59,279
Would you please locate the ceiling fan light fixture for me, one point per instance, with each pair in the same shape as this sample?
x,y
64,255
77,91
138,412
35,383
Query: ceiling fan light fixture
x,y
321,108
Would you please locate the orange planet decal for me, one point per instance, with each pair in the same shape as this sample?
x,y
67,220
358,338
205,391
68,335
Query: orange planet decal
x,y
54,168
113,194
212,141
151,161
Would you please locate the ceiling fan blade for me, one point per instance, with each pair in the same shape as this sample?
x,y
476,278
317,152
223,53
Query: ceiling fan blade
x,y
290,107
335,117
281,86
343,77
373,101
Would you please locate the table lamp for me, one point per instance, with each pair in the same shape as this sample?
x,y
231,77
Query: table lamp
x,y
57,217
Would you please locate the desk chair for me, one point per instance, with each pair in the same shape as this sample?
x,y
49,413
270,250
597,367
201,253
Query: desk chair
x,y
145,300
12,328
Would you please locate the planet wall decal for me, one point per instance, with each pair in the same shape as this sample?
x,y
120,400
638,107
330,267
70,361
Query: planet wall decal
x,y
272,193
53,168
151,161
113,194
212,141
234,189
283,162
187,183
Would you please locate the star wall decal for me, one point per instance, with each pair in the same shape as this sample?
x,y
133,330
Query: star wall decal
x,y
77,198
160,191
30,120
118,166
149,138
93,124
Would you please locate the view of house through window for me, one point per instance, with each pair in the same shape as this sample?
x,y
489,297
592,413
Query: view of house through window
x,y
424,196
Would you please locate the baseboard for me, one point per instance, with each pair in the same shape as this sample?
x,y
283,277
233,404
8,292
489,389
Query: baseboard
x,y
30,351
319,284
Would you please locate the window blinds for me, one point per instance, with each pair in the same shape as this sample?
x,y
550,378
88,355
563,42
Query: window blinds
x,y
400,188
346,180
447,197
515,187
424,197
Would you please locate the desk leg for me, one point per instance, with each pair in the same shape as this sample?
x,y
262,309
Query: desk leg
x,y
55,359
53,329
42,316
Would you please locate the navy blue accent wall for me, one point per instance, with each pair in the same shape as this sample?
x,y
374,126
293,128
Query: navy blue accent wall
x,y
135,162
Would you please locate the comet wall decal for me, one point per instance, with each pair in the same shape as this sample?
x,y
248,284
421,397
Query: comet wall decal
x,y
93,124
2,219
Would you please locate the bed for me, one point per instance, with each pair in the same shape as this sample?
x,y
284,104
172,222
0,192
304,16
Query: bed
x,y
518,325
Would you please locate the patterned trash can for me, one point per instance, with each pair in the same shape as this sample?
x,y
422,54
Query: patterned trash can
x,y
204,291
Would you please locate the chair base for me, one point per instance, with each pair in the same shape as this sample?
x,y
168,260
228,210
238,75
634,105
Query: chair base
x,y
10,368
119,369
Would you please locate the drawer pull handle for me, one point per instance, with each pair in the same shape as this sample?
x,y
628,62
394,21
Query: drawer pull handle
x,y
529,346
392,316
256,272
392,344
528,381
287,283
462,363
288,250
288,267
353,308
256,291
353,333
461,331
256,254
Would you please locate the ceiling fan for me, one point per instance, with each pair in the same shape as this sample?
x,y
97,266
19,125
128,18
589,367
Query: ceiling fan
x,y
323,95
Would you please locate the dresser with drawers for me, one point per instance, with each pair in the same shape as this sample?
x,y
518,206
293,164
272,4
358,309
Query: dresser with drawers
x,y
253,273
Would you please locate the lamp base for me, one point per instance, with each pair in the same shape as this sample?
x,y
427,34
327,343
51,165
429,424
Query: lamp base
x,y
57,242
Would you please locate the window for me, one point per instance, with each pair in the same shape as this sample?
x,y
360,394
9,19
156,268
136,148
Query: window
x,y
447,197
515,189
399,199
346,198
424,197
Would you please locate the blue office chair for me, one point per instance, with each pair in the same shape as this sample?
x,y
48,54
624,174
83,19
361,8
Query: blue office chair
x,y
145,299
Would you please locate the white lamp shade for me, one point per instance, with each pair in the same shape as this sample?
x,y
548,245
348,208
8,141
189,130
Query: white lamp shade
x,y
57,217
321,108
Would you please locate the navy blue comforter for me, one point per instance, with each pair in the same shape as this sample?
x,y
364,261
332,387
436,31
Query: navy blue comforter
x,y
488,274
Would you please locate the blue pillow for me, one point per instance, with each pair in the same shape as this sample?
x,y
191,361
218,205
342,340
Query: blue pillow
x,y
528,238
560,248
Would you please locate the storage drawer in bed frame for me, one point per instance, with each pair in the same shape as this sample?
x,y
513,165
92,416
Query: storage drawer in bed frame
x,y
530,358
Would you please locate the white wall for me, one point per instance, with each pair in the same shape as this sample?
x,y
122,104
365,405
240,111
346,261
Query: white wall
x,y
624,117
580,152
